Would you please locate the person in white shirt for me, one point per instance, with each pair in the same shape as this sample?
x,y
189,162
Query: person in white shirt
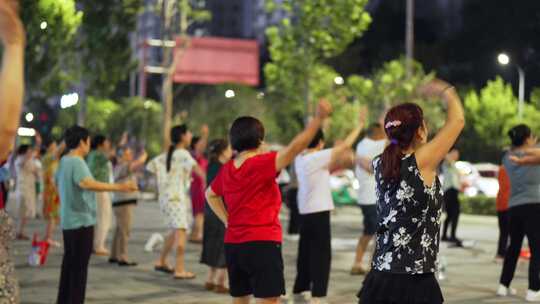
x,y
367,149
315,203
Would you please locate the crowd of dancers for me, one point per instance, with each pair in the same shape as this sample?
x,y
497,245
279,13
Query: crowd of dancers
x,y
225,192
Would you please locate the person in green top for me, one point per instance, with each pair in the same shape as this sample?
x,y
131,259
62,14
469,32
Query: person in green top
x,y
76,187
98,162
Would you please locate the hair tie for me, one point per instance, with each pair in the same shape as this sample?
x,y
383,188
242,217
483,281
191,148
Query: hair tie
x,y
394,141
394,123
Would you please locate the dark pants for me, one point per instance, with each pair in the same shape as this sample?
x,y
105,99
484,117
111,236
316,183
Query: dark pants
x,y
314,254
453,210
294,214
524,221
504,232
78,245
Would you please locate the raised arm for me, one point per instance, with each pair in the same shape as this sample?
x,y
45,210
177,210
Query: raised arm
x,y
93,185
205,133
430,155
11,74
530,157
139,162
302,140
339,151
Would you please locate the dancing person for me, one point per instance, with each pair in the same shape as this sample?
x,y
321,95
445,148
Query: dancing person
x,y
451,188
409,203
213,250
368,148
98,162
51,200
198,185
173,171
11,101
25,190
315,204
245,197
503,217
124,203
524,211
76,188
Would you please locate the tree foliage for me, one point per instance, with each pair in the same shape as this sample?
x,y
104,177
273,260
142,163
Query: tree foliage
x,y
51,26
315,31
104,43
140,118
490,113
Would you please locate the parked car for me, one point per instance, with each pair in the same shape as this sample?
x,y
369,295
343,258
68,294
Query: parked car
x,y
479,179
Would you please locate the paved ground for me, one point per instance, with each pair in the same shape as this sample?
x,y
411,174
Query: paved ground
x,y
471,276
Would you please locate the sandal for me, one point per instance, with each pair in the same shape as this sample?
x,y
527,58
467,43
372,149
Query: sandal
x,y
184,276
209,286
165,269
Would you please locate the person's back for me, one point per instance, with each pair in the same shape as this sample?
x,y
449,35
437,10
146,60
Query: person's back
x,y
524,182
313,175
173,185
253,200
368,148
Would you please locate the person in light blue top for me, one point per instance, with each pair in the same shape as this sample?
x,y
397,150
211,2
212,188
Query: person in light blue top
x,y
76,188
524,211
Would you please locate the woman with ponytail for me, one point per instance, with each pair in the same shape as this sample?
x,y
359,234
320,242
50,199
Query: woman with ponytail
x,y
409,202
173,172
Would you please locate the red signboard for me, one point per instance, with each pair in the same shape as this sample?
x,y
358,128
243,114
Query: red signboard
x,y
217,60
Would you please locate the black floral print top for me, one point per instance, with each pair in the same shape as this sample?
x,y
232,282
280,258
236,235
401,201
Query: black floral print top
x,y
409,221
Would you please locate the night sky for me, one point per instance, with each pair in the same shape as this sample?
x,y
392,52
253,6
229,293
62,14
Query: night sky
x,y
460,39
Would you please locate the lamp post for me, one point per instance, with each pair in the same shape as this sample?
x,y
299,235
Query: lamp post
x,y
504,59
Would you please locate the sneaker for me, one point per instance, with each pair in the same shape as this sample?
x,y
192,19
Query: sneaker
x,y
504,291
532,296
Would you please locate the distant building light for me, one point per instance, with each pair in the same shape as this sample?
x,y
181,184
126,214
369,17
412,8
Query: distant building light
x,y
26,132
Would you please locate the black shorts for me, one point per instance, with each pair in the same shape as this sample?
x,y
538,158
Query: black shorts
x,y
370,219
255,268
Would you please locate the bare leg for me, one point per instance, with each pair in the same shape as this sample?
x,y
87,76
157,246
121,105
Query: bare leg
x,y
211,276
167,247
22,224
221,274
242,300
363,243
197,233
268,301
180,269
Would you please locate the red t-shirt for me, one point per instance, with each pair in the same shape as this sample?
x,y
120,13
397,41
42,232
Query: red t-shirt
x,y
253,199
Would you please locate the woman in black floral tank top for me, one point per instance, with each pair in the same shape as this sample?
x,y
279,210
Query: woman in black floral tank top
x,y
409,203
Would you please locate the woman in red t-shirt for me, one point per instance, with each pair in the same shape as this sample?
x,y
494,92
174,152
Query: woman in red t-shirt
x,y
247,187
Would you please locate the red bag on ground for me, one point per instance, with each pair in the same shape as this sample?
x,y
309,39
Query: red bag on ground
x,y
39,253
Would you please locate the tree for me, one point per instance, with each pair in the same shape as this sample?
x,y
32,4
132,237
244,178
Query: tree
x,y
489,115
188,15
315,31
104,46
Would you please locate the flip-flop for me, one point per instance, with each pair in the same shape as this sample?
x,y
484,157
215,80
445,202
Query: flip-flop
x,y
165,269
189,276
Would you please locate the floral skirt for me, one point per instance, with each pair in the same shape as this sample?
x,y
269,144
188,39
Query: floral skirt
x,y
392,288
177,214
51,203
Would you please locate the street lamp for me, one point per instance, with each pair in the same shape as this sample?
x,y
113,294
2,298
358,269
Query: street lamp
x,y
504,59
43,25
29,117
229,93
339,80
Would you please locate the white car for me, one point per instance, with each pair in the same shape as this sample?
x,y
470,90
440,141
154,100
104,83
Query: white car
x,y
479,179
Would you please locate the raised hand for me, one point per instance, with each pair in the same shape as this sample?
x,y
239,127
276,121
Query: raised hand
x,y
205,130
433,88
11,28
324,109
